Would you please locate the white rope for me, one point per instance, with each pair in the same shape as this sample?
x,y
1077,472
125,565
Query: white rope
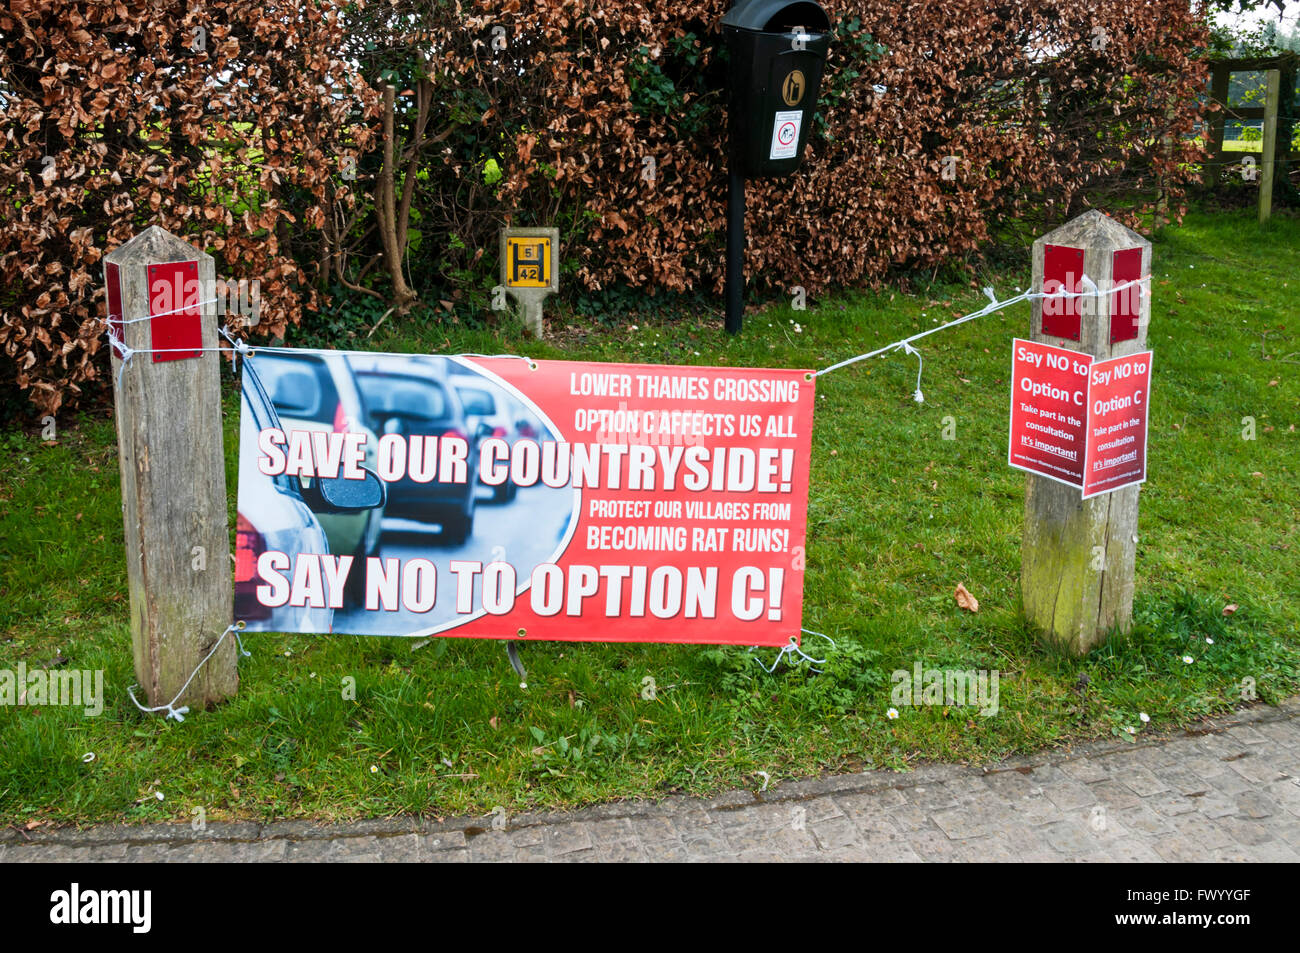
x,y
170,708
792,648
125,353
920,367
240,346
162,314
905,345
244,349
821,635
994,304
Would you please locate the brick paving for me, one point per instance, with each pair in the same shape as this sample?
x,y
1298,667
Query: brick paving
x,y
1229,791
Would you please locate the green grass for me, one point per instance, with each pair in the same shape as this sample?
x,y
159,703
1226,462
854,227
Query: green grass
x,y
898,516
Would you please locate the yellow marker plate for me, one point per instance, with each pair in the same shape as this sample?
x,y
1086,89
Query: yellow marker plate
x,y
528,262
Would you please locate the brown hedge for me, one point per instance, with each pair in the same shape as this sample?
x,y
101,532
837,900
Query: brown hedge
x,y
223,122
1048,108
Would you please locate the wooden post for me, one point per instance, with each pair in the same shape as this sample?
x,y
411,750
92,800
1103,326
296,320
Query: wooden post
x,y
168,409
1286,118
1160,215
1077,559
1220,75
1268,165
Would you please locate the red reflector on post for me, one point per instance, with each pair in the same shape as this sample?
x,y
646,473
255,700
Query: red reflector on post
x,y
1125,304
176,331
1062,271
113,278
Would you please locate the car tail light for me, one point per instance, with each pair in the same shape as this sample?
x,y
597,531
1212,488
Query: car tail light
x,y
499,432
340,419
456,432
249,545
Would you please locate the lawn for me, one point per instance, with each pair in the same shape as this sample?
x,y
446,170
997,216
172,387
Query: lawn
x,y
898,516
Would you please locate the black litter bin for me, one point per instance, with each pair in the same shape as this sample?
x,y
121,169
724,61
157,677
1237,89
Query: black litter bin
x,y
777,50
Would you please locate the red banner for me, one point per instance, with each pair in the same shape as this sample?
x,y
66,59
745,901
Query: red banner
x,y
546,499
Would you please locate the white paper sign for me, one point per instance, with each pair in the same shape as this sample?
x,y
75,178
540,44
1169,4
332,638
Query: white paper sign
x,y
785,134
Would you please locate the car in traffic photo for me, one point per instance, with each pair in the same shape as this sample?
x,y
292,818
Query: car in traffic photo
x,y
414,396
317,391
282,514
490,408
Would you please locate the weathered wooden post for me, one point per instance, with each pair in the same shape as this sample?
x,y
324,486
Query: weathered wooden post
x,y
1220,77
1077,560
168,407
1268,165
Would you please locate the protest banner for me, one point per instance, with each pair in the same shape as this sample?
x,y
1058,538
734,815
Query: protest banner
x,y
1117,423
521,499
1049,408
1078,421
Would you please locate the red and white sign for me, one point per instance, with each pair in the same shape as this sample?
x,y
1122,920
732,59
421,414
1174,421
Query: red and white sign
x,y
525,499
1079,421
1049,408
785,134
1118,398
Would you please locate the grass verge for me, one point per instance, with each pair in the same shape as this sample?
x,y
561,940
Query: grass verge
x,y
898,516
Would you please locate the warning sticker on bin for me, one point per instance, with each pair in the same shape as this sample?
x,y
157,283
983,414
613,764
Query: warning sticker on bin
x,y
785,134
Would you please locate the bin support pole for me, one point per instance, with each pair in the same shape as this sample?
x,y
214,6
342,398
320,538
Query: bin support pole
x,y
735,249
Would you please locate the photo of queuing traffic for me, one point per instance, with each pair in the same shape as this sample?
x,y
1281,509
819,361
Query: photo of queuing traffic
x,y
307,398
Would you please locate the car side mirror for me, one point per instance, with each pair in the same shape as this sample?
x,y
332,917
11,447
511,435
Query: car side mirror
x,y
341,495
